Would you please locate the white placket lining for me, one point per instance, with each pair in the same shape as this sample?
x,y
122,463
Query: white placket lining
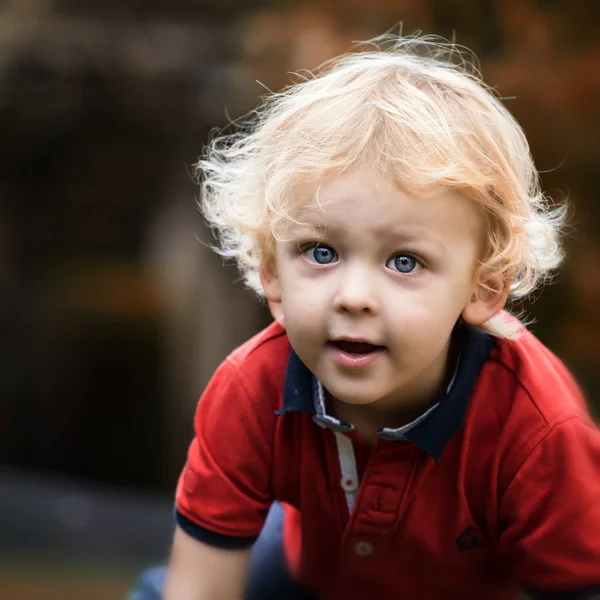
x,y
349,480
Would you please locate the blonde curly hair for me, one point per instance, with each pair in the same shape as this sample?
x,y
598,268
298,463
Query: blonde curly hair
x,y
415,109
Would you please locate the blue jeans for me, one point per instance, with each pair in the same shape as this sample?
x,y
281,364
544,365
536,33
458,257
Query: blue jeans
x,y
269,578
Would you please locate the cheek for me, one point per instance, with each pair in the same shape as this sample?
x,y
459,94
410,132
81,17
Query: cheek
x,y
305,327
298,300
455,288
299,284
427,320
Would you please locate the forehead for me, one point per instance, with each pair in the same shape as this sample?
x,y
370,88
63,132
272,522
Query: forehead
x,y
363,202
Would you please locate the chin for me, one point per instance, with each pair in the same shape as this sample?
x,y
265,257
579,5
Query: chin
x,y
355,399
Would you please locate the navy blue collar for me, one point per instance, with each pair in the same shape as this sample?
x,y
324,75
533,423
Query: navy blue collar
x,y
431,431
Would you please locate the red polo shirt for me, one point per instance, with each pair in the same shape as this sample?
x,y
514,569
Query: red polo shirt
x,y
495,488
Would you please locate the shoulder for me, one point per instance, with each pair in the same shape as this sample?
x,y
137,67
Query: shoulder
x,y
525,397
248,384
261,362
266,344
252,375
533,380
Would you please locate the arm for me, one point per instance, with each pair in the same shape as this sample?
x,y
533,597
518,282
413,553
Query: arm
x,y
550,514
198,571
223,494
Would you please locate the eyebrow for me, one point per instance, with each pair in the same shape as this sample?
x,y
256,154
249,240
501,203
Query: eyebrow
x,y
411,238
418,241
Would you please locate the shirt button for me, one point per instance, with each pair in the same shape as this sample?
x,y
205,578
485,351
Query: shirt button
x,y
349,483
363,548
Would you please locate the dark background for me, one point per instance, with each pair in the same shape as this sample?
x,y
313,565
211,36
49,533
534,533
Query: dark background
x,y
113,315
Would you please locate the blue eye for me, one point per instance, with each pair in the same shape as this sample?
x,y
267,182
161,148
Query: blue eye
x,y
322,255
403,263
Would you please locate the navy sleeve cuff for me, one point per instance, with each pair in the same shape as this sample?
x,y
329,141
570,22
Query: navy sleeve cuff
x,y
588,593
211,538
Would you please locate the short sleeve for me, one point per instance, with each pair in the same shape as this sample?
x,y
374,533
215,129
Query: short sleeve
x,y
223,494
550,514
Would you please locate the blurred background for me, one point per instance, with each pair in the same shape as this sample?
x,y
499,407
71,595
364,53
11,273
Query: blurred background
x,y
112,313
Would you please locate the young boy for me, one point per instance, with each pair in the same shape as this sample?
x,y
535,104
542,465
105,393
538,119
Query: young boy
x,y
420,442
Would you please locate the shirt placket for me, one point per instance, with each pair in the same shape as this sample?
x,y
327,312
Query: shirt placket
x,y
377,509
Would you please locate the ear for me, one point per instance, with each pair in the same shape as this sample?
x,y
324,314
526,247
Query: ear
x,y
276,311
270,281
487,300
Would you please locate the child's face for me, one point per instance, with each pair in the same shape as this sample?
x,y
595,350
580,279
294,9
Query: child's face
x,y
369,305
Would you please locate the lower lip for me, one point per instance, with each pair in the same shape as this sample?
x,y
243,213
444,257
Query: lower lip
x,y
354,361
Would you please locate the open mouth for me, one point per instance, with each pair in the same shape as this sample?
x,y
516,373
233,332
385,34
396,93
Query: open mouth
x,y
356,348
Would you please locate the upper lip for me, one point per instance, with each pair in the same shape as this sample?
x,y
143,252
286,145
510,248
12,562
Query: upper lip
x,y
354,339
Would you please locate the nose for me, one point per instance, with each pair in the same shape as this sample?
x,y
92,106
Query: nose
x,y
356,291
